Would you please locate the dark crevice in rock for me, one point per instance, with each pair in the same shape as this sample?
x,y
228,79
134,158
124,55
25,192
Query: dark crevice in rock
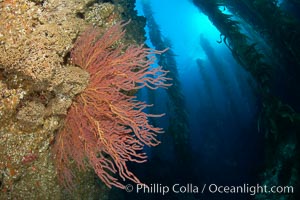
x,y
80,15
38,2
66,58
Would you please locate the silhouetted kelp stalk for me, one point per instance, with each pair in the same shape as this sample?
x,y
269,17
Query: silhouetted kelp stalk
x,y
246,54
178,119
242,50
105,128
222,76
282,30
278,121
207,80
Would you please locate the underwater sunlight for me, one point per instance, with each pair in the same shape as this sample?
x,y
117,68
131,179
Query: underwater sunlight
x,y
150,99
219,102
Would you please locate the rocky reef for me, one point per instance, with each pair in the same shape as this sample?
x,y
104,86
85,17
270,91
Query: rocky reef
x,y
38,84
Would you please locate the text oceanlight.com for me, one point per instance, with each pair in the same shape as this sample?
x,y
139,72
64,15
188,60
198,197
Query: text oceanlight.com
x,y
158,188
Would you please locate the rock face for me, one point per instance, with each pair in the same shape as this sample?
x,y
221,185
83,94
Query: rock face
x,y
37,85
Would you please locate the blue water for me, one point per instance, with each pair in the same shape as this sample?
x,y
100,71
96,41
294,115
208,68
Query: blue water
x,y
225,147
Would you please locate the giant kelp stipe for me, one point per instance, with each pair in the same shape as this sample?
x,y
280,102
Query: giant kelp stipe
x,y
238,108
149,99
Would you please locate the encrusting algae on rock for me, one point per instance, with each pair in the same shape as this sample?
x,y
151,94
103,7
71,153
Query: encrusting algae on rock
x,y
37,86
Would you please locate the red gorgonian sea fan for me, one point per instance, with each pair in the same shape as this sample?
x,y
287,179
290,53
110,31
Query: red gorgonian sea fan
x,y
105,127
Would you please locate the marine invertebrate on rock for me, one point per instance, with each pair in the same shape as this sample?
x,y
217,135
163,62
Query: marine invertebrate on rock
x,y
105,127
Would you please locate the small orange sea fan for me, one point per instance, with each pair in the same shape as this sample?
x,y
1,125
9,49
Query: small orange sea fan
x,y
105,128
